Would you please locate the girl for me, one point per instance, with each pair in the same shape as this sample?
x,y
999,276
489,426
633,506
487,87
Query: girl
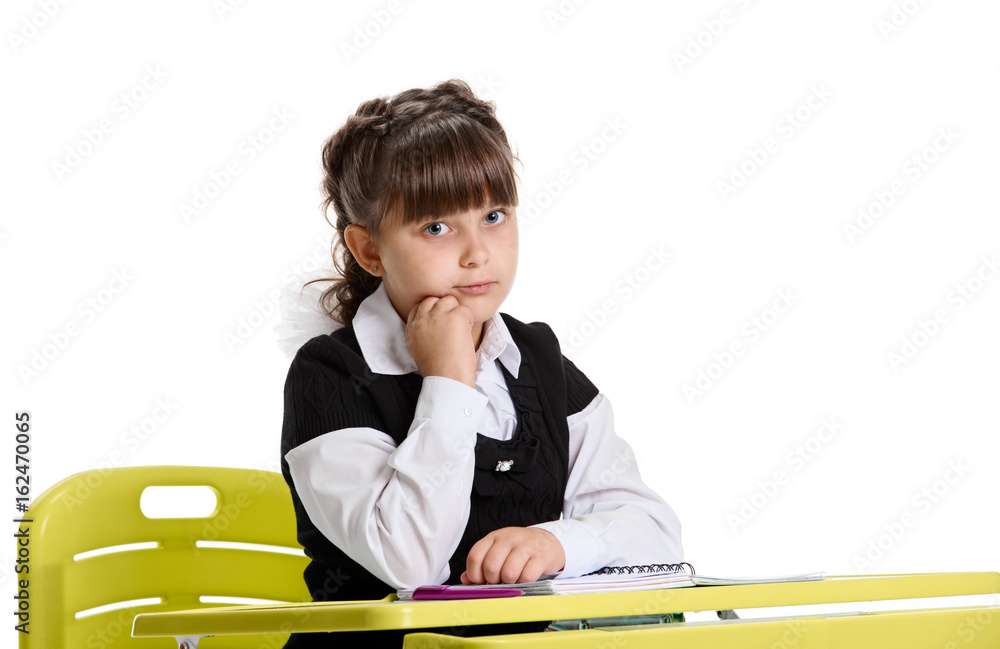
x,y
430,438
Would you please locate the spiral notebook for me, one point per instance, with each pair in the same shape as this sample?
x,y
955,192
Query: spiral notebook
x,y
605,580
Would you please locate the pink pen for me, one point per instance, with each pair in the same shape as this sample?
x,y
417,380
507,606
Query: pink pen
x,y
449,592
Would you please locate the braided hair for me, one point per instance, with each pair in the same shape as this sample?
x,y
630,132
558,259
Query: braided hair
x,y
426,151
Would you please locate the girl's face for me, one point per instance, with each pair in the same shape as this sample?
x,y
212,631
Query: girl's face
x,y
446,255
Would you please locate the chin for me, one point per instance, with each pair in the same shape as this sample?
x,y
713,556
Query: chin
x,y
482,313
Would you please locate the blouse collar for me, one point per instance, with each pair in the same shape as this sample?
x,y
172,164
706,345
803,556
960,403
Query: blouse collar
x,y
381,334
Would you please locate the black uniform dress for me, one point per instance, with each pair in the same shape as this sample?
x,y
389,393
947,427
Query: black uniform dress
x,y
330,387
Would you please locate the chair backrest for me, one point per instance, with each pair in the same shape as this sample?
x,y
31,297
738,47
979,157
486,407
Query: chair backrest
x,y
179,563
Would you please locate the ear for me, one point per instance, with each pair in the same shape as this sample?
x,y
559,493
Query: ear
x,y
362,246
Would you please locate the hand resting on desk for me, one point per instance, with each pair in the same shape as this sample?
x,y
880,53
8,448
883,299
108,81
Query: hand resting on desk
x,y
513,555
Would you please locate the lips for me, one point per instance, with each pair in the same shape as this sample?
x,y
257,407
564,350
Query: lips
x,y
477,289
478,284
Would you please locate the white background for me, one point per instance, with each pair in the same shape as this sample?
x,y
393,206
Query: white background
x,y
880,95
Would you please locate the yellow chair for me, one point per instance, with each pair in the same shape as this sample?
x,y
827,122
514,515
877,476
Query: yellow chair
x,y
177,564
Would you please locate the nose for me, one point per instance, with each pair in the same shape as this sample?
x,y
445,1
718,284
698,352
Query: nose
x,y
474,252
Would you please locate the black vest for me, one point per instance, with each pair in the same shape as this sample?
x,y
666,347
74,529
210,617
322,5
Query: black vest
x,y
330,387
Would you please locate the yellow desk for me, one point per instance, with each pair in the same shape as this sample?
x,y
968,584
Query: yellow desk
x,y
940,628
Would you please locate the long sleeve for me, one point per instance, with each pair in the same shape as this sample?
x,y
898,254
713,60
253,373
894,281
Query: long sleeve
x,y
398,515
384,473
610,517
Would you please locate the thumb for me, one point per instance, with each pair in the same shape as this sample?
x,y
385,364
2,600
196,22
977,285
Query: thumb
x,y
467,312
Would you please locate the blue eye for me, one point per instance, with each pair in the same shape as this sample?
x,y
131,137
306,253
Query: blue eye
x,y
503,216
435,225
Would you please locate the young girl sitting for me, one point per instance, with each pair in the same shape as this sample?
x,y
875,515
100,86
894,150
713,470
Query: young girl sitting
x,y
429,438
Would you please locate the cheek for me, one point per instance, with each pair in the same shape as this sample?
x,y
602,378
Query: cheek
x,y
426,268
513,247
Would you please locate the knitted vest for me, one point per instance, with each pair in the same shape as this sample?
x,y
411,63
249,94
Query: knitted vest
x,y
330,387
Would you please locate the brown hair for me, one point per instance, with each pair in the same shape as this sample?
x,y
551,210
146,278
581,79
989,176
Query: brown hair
x,y
433,151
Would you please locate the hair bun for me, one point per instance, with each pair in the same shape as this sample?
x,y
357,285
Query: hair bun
x,y
373,116
378,107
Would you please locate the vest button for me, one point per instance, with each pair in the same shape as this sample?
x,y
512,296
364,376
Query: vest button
x,y
468,412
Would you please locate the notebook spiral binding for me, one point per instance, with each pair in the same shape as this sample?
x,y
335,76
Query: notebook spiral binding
x,y
651,568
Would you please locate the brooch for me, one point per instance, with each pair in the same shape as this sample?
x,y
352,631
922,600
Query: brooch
x,y
504,465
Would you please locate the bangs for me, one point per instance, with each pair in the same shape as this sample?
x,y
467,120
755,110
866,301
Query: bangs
x,y
446,165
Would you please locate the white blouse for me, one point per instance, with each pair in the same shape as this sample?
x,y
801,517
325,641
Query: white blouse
x,y
400,511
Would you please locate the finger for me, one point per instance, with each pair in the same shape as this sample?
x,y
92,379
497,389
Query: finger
x,y
494,562
412,314
445,303
421,311
513,566
465,579
474,561
426,304
533,569
467,314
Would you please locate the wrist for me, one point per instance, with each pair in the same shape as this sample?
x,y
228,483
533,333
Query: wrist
x,y
557,554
